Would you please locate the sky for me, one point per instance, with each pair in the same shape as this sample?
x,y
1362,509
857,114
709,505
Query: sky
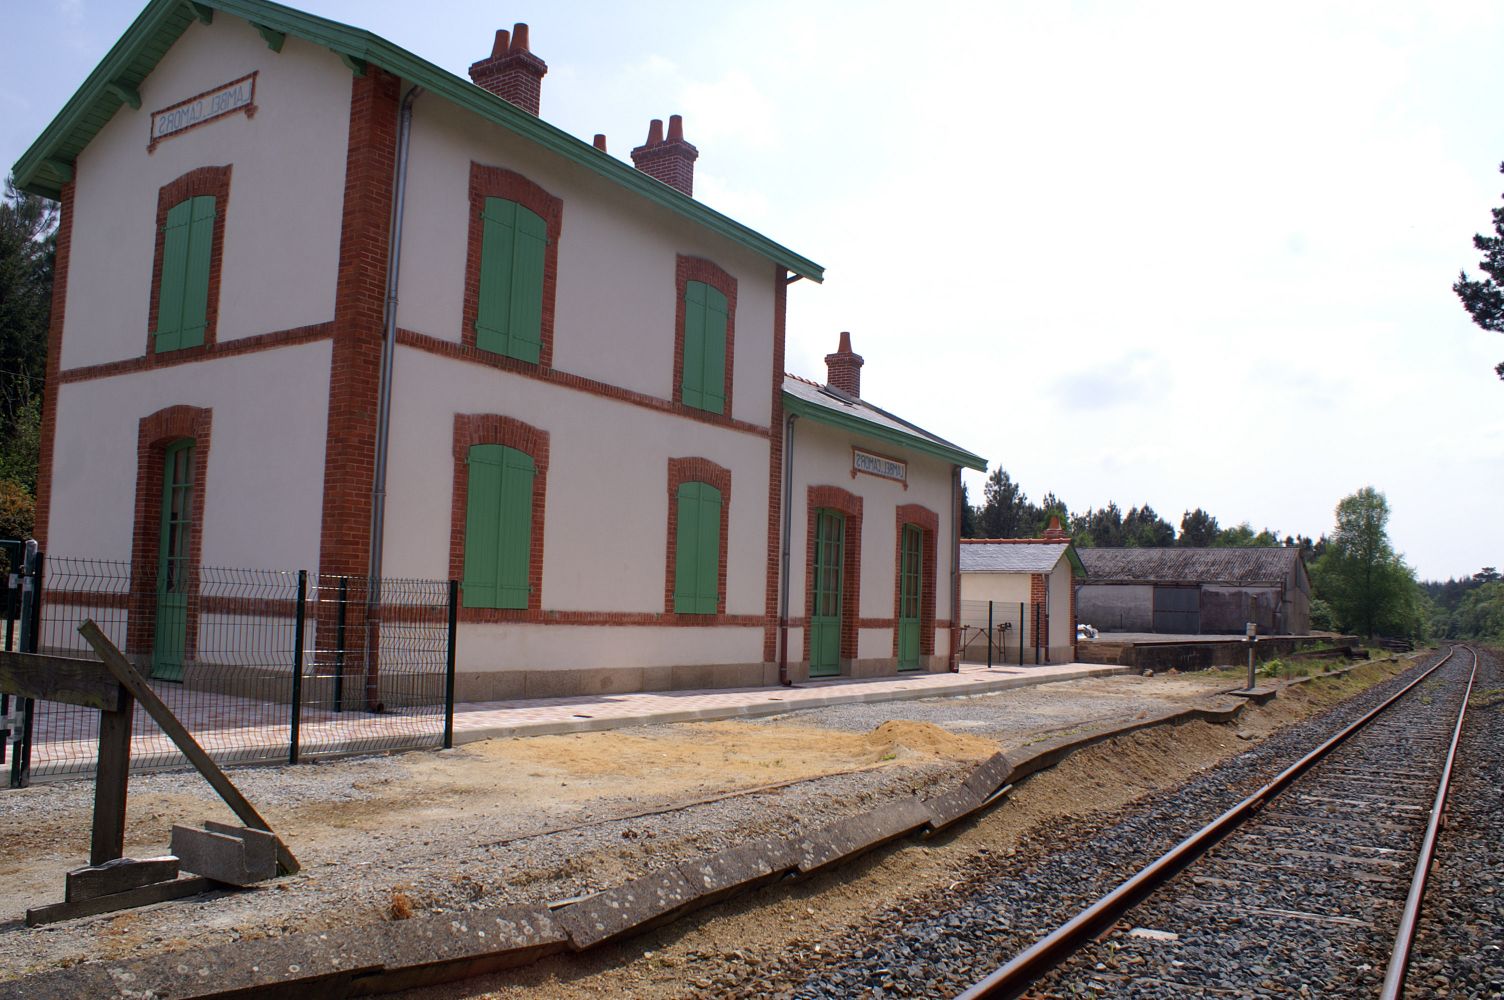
x,y
1180,254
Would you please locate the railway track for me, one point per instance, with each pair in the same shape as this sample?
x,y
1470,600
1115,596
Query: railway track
x,y
1305,888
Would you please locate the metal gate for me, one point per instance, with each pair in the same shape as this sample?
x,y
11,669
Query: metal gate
x,y
1177,610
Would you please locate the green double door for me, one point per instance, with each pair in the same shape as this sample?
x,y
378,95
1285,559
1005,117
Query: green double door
x,y
173,566
825,617
910,590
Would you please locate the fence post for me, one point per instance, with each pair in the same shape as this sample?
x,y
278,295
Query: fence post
x,y
1022,628
31,619
989,635
454,605
299,621
339,645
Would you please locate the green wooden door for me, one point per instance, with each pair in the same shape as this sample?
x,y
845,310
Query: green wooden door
x,y
825,621
173,567
909,594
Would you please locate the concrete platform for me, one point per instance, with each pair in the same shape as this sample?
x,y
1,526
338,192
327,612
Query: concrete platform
x,y
551,716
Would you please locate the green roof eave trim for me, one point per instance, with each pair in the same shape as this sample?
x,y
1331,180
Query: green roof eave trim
x,y
845,421
163,21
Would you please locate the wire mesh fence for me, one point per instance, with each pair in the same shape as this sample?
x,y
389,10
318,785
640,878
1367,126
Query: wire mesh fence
x,y
999,633
258,665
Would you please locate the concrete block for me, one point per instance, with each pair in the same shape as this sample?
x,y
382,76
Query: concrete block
x,y
118,876
730,871
226,857
626,909
952,806
444,947
992,774
855,835
260,845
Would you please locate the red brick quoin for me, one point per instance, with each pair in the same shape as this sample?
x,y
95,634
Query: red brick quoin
x,y
848,503
487,428
1038,590
690,269
214,181
928,523
695,470
498,182
156,432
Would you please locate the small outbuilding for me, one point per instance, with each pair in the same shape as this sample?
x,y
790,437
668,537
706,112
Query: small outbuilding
x,y
1019,591
1192,591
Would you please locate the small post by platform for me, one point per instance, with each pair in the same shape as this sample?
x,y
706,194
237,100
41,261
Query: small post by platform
x,y
1252,638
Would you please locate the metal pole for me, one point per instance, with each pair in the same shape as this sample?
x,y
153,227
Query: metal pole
x,y
454,618
339,645
1253,637
31,566
1021,630
989,635
297,666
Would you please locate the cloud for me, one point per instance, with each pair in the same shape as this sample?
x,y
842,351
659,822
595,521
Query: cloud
x,y
1134,378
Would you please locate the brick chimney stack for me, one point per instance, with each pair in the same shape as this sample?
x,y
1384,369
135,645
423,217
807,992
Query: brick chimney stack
x,y
671,160
844,368
512,72
1055,533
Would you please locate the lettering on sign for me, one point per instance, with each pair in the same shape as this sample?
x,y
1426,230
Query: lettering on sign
x,y
877,465
237,95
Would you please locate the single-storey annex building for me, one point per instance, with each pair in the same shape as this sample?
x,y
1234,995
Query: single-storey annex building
x,y
1189,591
322,304
1026,585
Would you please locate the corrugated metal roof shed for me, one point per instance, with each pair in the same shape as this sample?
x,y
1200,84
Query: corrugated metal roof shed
x,y
1011,557
1236,566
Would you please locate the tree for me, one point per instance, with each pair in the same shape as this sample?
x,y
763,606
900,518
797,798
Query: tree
x,y
1484,300
1102,529
1198,529
1005,509
968,515
1367,584
27,249
1144,529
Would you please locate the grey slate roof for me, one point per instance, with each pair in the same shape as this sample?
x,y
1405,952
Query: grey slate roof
x,y
1175,565
840,407
1011,557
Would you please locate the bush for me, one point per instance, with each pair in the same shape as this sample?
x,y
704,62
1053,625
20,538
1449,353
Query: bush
x,y
1322,618
18,510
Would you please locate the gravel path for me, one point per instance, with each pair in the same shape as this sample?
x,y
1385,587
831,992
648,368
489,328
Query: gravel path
x,y
940,944
1459,951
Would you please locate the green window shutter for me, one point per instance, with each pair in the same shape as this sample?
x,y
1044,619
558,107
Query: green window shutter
x,y
509,313
498,527
196,282
697,557
174,272
705,318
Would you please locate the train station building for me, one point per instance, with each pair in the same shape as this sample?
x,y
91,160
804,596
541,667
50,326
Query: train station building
x,y
321,304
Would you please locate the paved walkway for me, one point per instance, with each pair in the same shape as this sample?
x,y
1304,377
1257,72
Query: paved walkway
x,y
549,716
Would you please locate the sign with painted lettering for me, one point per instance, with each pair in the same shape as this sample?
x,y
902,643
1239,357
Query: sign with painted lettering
x,y
237,95
877,465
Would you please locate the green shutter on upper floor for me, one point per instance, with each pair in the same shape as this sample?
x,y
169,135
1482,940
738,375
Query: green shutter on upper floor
x,y
183,295
697,555
498,527
509,311
706,311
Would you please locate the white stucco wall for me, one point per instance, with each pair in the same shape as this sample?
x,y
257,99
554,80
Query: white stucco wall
x,y
615,303
282,228
606,517
822,457
260,507
1061,628
1002,588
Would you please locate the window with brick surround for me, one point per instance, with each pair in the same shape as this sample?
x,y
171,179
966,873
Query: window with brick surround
x,y
186,269
704,336
498,527
697,563
509,314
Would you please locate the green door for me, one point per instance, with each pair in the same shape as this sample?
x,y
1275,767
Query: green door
x,y
173,569
909,593
825,622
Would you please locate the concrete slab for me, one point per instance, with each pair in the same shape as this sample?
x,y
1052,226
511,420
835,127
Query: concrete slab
x,y
625,909
990,775
444,947
730,871
951,807
854,835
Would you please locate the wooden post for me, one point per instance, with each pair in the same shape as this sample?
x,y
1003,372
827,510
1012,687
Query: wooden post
x,y
110,782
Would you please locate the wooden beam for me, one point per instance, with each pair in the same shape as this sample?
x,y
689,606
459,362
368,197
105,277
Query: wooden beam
x,y
111,778
357,66
157,892
67,679
272,37
137,686
203,12
125,92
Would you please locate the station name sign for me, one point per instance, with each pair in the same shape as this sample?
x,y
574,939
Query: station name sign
x,y
877,465
237,95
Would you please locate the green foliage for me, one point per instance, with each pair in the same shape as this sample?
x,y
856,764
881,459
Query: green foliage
x,y
27,249
1323,618
1006,511
1198,529
1367,584
968,515
1484,299
17,510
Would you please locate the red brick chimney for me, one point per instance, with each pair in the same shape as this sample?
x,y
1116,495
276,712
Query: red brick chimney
x,y
1055,533
844,369
671,160
512,72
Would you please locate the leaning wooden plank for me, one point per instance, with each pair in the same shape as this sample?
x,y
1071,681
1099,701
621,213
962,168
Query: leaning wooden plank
x,y
158,892
136,685
67,679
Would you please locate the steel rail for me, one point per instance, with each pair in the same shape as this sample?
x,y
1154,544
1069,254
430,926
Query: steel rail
x,y
1399,960
1059,945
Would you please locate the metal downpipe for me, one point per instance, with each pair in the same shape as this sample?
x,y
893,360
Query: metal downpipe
x,y
783,566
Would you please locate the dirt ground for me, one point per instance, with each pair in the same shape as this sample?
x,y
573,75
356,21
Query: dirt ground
x,y
379,835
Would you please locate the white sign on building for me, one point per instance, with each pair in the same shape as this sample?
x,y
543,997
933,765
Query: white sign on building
x,y
237,95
